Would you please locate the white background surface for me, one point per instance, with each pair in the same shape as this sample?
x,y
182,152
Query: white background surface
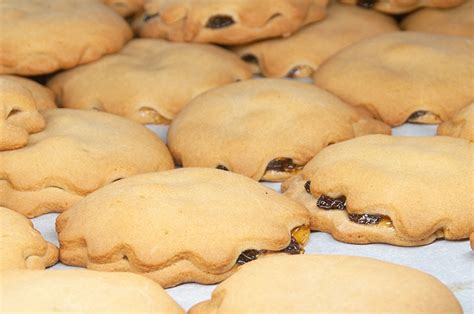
x,y
449,261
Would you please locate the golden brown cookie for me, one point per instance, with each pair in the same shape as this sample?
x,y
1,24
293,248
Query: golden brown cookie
x,y
455,21
460,125
150,80
402,6
471,238
227,22
265,129
404,76
183,225
82,291
328,284
77,153
302,53
125,7
22,246
20,101
405,191
40,37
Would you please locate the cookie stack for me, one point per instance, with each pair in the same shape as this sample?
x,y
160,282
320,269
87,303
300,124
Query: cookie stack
x,y
278,117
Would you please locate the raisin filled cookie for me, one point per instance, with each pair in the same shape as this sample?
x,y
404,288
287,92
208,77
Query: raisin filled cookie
x,y
328,284
20,102
226,22
302,53
403,6
22,246
264,129
460,125
125,7
404,76
77,153
40,37
149,81
184,225
82,291
405,191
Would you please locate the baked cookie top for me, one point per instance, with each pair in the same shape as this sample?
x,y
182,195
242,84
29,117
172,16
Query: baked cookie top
x,y
404,76
403,6
125,7
22,246
328,284
150,80
77,153
415,189
20,101
227,22
302,53
460,125
40,37
83,291
455,21
264,129
183,225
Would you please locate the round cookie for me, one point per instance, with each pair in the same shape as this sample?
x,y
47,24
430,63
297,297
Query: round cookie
x,y
22,246
415,189
82,291
183,225
455,21
403,76
302,53
77,153
126,7
460,125
264,129
402,6
328,284
150,80
40,37
20,101
227,22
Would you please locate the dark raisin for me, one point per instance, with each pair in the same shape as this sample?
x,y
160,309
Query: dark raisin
x,y
326,202
221,167
366,4
147,17
249,58
219,21
365,219
248,256
307,186
293,248
282,165
415,115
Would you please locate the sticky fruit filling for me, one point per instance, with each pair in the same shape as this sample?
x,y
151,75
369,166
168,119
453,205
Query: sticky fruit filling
x,y
283,165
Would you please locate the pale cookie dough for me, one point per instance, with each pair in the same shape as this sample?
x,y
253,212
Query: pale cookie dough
x,y
183,225
456,21
302,53
21,100
406,191
404,76
265,129
460,125
402,6
150,80
126,7
227,22
82,291
328,284
22,246
77,153
40,37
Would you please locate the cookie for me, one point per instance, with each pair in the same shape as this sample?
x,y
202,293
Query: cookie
x,y
149,81
403,76
328,284
264,129
302,53
22,246
460,125
40,37
82,291
183,225
126,8
406,191
455,21
20,101
227,22
77,153
403,6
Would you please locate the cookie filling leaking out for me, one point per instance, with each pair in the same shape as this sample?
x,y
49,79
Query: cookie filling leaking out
x,y
424,117
219,21
283,165
221,167
250,58
299,237
366,4
300,71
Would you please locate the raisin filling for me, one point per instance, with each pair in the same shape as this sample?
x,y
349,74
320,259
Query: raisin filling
x,y
147,17
326,202
249,58
366,4
307,187
219,21
423,116
282,165
221,167
248,256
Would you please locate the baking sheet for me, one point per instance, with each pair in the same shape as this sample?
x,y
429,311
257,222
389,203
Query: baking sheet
x,y
449,261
